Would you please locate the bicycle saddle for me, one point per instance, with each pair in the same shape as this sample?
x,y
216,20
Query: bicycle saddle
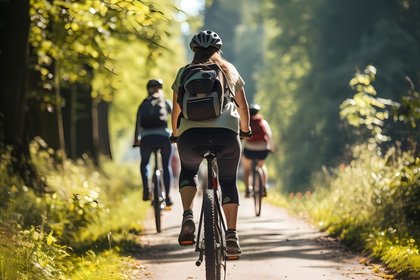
x,y
204,151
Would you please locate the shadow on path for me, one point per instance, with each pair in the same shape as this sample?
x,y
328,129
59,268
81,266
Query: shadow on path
x,y
274,246
261,238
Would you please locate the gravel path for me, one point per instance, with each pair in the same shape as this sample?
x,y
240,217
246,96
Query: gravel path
x,y
274,246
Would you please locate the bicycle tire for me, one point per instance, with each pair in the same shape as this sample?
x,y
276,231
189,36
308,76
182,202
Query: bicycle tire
x,y
257,190
212,239
156,202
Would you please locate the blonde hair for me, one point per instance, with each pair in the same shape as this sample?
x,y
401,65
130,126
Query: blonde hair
x,y
213,55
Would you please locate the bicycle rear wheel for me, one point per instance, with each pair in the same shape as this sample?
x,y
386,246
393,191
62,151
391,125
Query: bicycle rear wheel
x,y
212,238
257,190
156,201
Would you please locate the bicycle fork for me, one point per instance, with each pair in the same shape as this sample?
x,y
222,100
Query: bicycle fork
x,y
199,247
200,236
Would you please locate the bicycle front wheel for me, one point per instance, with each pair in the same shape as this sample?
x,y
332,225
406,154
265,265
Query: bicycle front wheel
x,y
257,191
212,238
156,201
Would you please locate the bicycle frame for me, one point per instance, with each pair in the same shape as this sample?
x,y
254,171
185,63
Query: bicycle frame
x,y
257,187
158,199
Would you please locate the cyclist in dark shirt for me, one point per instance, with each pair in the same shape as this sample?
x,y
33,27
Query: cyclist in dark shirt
x,y
152,132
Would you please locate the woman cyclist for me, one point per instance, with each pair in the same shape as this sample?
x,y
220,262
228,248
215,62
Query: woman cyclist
x,y
221,131
256,147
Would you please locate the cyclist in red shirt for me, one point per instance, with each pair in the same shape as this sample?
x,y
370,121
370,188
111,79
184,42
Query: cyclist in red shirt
x,y
256,147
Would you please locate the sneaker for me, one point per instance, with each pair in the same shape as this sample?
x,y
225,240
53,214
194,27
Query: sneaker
x,y
233,250
168,204
187,236
169,201
247,193
264,192
146,195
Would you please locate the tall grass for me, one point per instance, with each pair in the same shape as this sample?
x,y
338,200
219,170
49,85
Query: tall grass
x,y
371,204
76,230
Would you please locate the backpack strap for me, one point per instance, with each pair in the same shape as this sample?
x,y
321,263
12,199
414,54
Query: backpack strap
x,y
230,96
181,90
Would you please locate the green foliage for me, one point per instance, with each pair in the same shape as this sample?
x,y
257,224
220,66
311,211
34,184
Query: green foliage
x,y
79,36
74,231
98,267
100,43
364,109
27,249
311,49
371,204
78,33
32,254
408,111
368,112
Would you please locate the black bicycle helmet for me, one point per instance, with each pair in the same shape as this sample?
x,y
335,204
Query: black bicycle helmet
x,y
254,109
154,83
205,39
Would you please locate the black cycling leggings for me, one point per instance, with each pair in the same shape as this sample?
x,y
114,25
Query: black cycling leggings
x,y
251,154
227,159
146,148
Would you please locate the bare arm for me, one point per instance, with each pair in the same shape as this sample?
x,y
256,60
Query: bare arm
x,y
270,141
136,141
243,110
176,110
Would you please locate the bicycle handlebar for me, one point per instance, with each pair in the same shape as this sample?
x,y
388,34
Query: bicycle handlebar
x,y
173,138
245,135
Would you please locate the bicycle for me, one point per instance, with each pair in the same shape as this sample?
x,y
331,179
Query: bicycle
x,y
257,190
158,199
211,244
210,241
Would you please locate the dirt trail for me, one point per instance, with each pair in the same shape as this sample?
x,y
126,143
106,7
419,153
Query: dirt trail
x,y
275,246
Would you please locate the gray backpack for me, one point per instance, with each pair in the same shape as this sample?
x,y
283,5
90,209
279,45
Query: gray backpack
x,y
203,92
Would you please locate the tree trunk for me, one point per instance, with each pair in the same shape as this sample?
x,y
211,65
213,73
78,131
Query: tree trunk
x,y
59,114
78,121
14,29
103,126
95,132
73,123
41,116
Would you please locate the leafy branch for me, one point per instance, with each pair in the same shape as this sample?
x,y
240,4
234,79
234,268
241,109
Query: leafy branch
x,y
365,110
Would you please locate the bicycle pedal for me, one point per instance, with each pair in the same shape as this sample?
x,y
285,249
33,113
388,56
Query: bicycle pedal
x,y
232,258
187,243
167,208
